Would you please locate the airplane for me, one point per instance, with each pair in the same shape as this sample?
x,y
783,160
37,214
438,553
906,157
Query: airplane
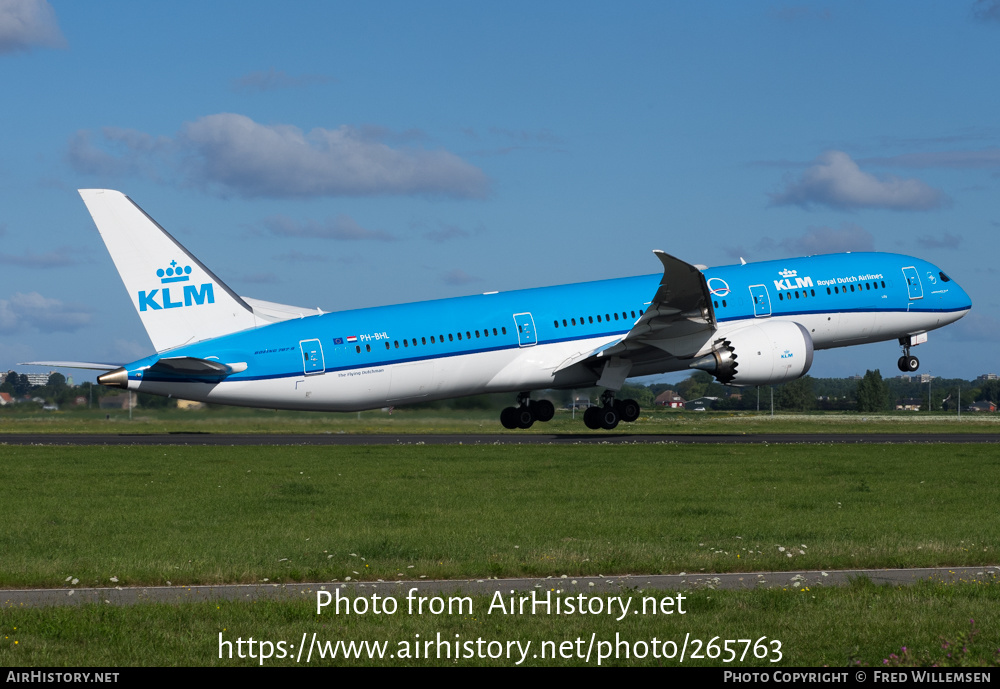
x,y
747,324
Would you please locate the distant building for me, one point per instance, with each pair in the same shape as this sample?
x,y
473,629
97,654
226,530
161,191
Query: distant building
x,y
700,404
987,376
985,405
926,377
909,404
669,399
5,399
39,378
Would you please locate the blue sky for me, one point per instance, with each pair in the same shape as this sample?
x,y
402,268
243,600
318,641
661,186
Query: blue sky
x,y
344,155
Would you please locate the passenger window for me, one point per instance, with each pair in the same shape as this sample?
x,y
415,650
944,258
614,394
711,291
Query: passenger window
x,y
368,348
460,336
406,343
358,347
503,329
591,318
573,321
451,338
495,331
423,340
387,344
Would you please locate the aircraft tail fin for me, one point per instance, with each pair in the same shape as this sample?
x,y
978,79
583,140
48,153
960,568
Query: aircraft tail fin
x,y
178,299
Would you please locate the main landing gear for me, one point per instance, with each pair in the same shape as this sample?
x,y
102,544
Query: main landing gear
x,y
611,412
527,412
907,363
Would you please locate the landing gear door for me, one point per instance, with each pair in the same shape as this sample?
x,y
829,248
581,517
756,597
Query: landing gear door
x,y
761,301
913,286
312,357
525,329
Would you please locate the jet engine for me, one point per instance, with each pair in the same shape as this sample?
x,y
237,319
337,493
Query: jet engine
x,y
760,354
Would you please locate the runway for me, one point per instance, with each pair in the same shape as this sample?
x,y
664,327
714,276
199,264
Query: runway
x,y
348,439
632,583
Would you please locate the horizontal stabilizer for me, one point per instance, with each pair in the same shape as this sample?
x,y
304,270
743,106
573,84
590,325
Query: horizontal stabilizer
x,y
72,364
271,312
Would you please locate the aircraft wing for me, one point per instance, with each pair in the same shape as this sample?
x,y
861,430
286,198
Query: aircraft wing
x,y
72,364
681,306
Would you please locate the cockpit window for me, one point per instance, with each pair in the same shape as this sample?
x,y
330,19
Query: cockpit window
x,y
944,278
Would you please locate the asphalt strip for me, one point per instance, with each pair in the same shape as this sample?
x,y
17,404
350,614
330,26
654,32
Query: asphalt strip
x,y
129,595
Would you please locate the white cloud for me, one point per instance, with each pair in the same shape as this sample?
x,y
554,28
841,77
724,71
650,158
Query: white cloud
x,y
836,181
343,227
25,24
33,310
253,159
231,153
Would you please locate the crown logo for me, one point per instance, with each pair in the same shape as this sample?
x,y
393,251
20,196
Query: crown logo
x,y
788,273
175,273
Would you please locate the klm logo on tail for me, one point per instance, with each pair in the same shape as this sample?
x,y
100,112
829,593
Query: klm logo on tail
x,y
193,295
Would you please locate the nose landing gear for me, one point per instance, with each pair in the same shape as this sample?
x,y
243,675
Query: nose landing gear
x,y
907,363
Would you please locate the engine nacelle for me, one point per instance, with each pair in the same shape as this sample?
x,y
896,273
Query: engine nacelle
x,y
760,354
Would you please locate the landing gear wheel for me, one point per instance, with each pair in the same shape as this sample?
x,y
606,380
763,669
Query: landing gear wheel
x,y
592,418
524,417
609,417
628,409
543,410
912,363
509,418
901,364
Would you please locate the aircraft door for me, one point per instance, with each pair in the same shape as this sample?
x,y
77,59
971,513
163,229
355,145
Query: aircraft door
x,y
913,286
761,301
525,329
312,357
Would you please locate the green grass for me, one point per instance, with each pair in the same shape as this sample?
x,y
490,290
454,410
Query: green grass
x,y
862,624
409,420
149,515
